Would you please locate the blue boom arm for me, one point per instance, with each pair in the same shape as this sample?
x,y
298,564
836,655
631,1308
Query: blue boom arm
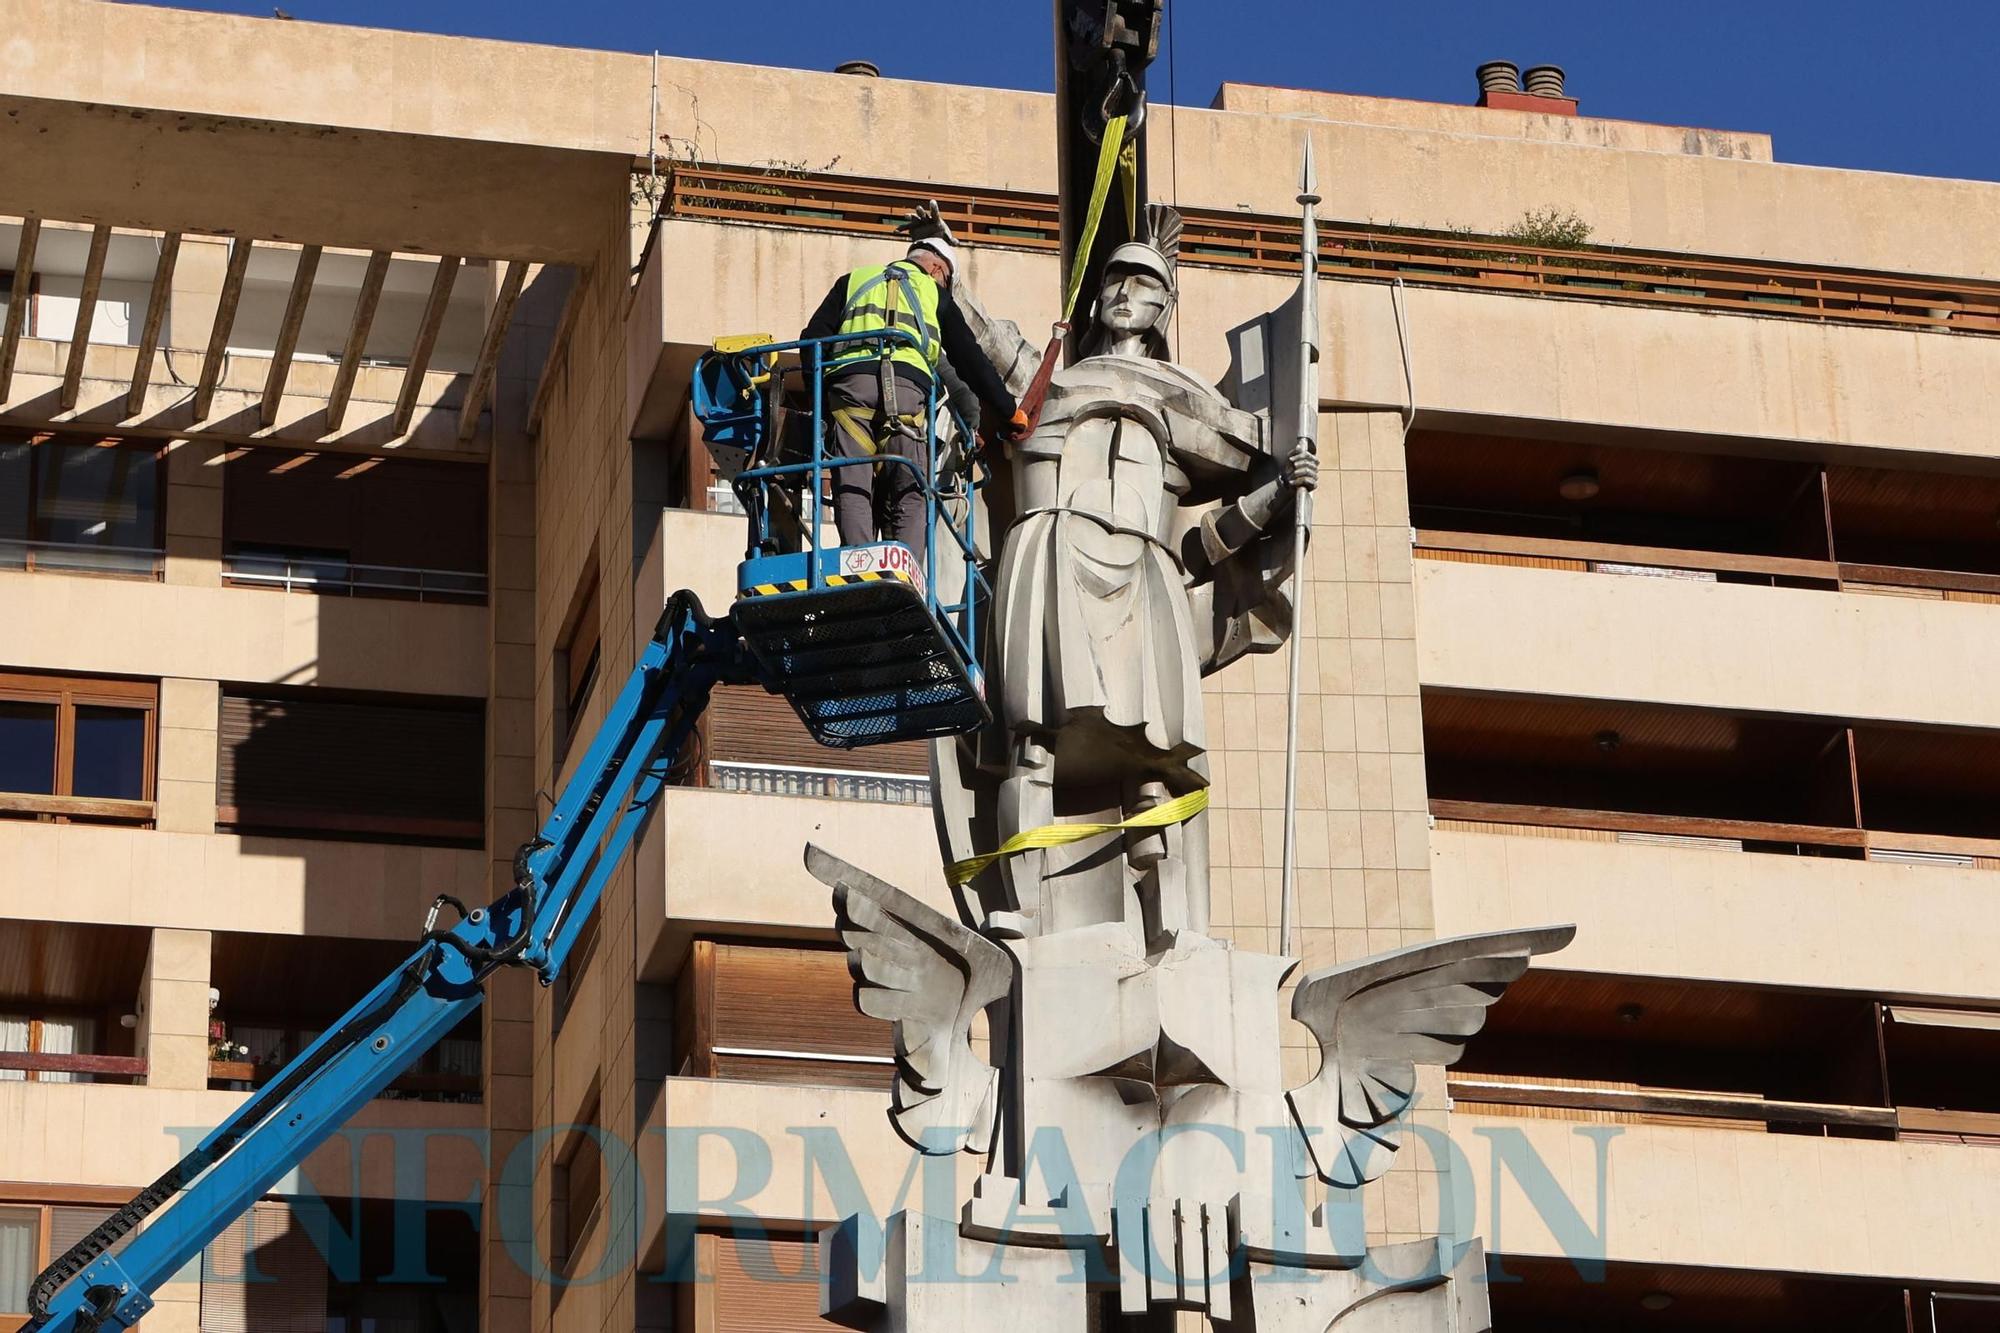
x,y
107,1279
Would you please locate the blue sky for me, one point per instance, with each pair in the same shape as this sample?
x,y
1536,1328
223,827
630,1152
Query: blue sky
x,y
1852,83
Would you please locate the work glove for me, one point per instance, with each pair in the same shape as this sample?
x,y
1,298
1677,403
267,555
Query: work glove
x,y
926,221
1017,427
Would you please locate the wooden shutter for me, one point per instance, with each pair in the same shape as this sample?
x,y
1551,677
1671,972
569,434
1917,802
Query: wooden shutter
x,y
761,1286
289,1293
289,764
780,998
70,1223
746,725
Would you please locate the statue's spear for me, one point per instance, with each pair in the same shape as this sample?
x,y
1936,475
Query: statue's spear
x,y
1308,428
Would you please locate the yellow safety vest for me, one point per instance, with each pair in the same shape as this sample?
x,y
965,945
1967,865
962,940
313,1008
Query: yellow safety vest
x,y
883,296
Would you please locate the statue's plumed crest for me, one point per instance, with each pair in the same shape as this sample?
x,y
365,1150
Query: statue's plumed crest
x,y
1163,233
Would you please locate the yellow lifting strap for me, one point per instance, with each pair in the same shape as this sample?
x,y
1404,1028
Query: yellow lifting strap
x,y
1110,154
1176,811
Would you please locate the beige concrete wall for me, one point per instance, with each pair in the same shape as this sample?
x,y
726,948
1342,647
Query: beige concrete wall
x,y
227,881
582,515
1489,122
252,635
595,101
1763,381
1743,380
1725,916
1733,646
699,874
1790,1203
106,1134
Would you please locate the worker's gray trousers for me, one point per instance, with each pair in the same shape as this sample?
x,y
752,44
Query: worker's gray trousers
x,y
891,500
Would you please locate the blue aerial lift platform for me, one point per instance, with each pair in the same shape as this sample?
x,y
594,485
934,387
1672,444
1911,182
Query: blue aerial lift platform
x,y
858,638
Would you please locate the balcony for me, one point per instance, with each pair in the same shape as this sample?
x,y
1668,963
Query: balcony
x,y
1754,782
725,864
1693,911
1270,244
1918,1213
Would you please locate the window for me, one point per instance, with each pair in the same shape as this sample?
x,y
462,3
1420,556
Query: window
x,y
769,1284
391,768
263,1273
46,1034
80,505
580,957
577,653
353,524
577,1185
76,748
31,1235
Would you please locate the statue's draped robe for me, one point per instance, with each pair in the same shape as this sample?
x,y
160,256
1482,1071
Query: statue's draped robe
x,y
1109,611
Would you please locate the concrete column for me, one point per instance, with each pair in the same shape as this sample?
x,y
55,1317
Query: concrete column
x,y
194,513
185,780
173,1009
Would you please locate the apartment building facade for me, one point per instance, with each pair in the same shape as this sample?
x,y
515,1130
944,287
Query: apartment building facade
x,y
347,461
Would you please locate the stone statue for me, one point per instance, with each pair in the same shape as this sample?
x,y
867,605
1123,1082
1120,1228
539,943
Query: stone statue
x,y
1143,1154
1146,543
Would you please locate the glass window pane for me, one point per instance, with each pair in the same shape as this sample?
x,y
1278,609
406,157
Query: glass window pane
x,y
15,457
27,747
92,495
20,1248
110,753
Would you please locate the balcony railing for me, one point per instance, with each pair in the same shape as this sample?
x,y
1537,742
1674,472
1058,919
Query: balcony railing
x,y
1619,558
1268,243
837,783
78,809
1727,834
132,562
1502,1095
87,1066
243,1075
340,578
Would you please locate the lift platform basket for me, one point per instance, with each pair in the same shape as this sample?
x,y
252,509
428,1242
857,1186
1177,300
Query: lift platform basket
x,y
862,657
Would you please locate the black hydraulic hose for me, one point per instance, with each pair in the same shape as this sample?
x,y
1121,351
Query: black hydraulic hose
x,y
121,1223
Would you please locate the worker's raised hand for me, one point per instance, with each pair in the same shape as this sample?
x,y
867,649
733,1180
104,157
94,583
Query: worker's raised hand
x,y
1018,426
925,220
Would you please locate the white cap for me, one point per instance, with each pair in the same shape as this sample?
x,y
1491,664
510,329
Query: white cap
x,y
937,245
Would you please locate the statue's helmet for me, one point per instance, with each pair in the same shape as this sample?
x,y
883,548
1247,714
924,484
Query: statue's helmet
x,y
1145,257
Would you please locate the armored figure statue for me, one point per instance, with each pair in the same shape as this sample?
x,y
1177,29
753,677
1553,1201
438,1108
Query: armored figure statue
x,y
1148,544
1145,540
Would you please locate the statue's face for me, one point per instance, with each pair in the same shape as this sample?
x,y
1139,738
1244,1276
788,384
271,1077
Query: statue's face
x,y
1132,300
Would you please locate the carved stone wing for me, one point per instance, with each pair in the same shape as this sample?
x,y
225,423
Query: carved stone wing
x,y
930,976
1379,1018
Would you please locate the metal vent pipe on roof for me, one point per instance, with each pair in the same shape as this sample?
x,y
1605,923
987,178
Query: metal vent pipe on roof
x,y
867,69
1499,76
1545,81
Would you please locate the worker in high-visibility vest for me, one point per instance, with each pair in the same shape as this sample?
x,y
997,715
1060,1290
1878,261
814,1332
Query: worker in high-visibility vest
x,y
875,404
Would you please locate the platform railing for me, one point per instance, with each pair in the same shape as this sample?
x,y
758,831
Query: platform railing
x,y
943,489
